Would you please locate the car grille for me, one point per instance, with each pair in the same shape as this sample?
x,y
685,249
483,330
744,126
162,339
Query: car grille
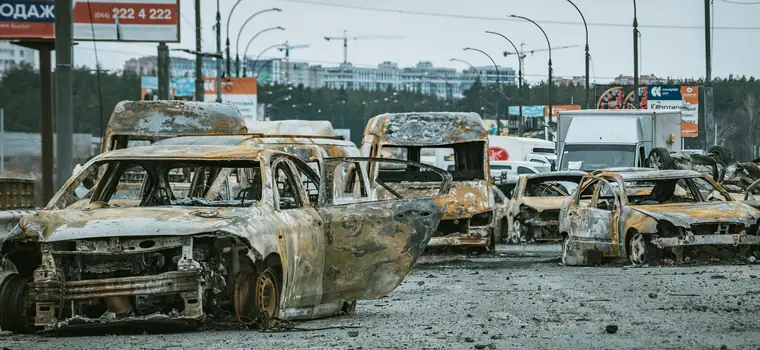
x,y
717,228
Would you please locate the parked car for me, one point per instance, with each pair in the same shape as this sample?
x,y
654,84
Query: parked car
x,y
641,215
243,240
533,211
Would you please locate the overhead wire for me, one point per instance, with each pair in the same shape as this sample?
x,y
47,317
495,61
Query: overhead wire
x,y
741,2
508,19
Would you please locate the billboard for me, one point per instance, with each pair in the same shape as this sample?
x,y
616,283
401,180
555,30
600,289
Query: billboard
x,y
241,92
94,20
180,87
676,97
528,111
490,125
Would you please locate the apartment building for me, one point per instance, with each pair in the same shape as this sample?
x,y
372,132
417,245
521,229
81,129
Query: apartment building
x,y
11,55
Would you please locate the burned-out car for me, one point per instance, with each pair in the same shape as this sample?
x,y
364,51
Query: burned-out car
x,y
245,241
451,137
533,210
752,196
644,215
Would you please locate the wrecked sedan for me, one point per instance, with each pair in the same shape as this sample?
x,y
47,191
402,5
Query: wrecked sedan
x,y
243,242
533,210
459,139
752,197
645,215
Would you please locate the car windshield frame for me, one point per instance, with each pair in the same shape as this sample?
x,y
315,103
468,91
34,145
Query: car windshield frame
x,y
591,151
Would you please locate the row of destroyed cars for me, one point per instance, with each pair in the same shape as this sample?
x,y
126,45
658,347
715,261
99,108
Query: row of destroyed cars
x,y
214,220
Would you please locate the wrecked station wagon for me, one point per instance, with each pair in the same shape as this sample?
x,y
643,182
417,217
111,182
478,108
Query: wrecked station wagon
x,y
462,138
261,251
646,215
533,209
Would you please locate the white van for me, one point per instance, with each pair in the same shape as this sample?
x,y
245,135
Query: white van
x,y
521,149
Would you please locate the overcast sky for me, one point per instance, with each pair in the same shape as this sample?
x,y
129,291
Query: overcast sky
x,y
672,34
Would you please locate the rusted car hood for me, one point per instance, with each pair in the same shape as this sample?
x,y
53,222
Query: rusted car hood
x,y
684,215
61,225
466,198
544,203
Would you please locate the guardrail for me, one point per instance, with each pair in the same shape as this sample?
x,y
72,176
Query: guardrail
x,y
10,218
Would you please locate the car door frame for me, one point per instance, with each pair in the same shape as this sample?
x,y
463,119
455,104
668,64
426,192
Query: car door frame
x,y
592,223
371,245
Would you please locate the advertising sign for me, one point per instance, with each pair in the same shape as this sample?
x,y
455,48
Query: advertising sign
x,y
94,20
240,92
558,108
490,125
528,111
676,97
611,99
180,87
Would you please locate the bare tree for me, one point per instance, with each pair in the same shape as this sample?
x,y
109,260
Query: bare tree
x,y
748,124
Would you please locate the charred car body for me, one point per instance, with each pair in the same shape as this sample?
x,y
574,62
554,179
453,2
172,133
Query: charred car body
x,y
641,215
246,242
469,217
533,209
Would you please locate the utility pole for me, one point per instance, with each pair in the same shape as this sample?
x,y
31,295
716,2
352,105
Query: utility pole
x,y
218,52
635,58
64,54
198,58
163,71
710,125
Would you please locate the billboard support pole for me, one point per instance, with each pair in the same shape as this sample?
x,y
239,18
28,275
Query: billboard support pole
x,y
163,71
198,58
635,58
710,127
64,54
219,54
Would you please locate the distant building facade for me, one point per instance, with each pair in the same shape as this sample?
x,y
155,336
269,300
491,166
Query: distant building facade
x,y
11,55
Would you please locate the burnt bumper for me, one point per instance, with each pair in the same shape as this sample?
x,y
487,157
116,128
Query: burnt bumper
x,y
693,240
477,237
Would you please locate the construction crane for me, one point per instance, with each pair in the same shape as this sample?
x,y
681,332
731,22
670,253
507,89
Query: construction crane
x,y
287,47
531,52
345,38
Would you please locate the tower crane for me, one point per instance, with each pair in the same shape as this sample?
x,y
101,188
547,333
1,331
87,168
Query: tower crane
x,y
287,47
345,38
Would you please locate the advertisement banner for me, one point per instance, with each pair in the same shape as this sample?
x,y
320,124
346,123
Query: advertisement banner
x,y
490,125
559,108
94,20
180,87
676,97
611,99
528,111
240,92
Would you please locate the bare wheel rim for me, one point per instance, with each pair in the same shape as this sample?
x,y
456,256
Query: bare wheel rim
x,y
564,250
266,295
655,161
517,231
638,249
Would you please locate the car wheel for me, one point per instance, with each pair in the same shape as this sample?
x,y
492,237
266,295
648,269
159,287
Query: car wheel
x,y
515,234
659,159
257,297
349,307
641,251
16,313
565,242
723,154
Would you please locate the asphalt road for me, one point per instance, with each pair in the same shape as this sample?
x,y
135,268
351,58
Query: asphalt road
x,y
520,298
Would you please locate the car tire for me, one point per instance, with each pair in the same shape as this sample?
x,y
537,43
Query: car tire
x,y
659,159
349,307
257,296
640,250
15,314
724,156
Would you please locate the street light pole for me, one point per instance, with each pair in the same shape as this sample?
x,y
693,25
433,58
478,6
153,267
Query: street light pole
x,y
229,17
635,58
245,52
256,61
520,123
551,82
237,41
588,58
498,86
218,52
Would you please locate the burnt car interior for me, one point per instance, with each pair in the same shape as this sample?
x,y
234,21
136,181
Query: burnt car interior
x,y
665,191
468,158
553,187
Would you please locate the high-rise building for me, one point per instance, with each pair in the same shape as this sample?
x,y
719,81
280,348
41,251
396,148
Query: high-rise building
x,y
11,55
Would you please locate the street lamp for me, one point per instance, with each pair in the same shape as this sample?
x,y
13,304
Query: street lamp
x,y
588,57
635,58
498,85
520,124
551,106
237,53
255,62
241,29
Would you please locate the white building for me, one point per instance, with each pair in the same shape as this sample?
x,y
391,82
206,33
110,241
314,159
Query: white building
x,y
11,55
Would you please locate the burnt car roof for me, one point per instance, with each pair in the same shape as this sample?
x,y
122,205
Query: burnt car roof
x,y
192,152
556,174
242,138
656,174
157,118
622,170
427,128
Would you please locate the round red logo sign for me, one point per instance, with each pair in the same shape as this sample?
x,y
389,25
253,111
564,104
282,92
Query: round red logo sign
x,y
497,153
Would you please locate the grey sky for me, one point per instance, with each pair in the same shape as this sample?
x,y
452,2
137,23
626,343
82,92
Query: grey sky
x,y
666,51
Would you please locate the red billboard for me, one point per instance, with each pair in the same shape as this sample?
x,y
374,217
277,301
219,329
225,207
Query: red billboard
x,y
94,20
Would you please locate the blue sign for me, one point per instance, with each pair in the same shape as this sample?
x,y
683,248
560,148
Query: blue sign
x,y
527,111
180,86
664,92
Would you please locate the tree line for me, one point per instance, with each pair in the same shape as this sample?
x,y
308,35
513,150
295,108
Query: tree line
x,y
737,103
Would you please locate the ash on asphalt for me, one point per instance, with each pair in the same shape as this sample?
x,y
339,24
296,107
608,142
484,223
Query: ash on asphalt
x,y
509,300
